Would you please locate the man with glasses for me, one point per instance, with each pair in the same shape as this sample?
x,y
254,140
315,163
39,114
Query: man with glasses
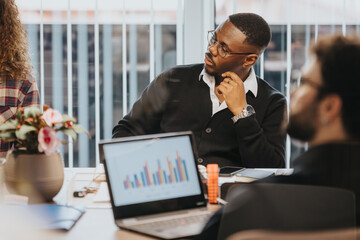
x,y
234,115
325,112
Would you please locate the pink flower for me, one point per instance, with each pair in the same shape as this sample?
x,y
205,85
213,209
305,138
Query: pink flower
x,y
48,141
52,116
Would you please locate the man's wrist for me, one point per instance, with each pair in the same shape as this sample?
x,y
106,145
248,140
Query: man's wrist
x,y
246,112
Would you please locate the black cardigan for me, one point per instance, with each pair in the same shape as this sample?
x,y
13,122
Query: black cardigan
x,y
177,101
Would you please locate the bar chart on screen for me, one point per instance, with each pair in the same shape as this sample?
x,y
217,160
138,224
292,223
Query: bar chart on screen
x,y
173,172
151,170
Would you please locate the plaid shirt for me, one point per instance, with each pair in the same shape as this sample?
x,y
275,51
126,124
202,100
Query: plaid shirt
x,y
13,95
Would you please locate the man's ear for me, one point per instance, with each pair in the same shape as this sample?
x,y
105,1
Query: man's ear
x,y
331,107
250,60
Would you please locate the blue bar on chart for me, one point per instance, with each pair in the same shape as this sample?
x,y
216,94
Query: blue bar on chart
x,y
177,172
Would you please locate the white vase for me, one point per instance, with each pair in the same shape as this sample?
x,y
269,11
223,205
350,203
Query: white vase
x,y
37,176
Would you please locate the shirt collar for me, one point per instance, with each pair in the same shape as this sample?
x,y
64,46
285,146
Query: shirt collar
x,y
250,84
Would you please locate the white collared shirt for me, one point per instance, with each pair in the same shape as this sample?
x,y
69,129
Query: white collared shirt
x,y
250,84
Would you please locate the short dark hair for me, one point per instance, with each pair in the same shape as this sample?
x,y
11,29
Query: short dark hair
x,y
255,28
339,59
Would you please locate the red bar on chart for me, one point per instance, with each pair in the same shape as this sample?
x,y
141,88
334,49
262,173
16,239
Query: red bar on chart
x,y
181,176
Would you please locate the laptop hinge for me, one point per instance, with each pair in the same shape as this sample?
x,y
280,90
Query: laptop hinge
x,y
129,221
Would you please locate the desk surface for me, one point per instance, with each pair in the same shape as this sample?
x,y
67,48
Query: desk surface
x,y
95,223
98,224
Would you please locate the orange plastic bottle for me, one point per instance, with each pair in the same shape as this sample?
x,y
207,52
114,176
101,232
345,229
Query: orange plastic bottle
x,y
212,171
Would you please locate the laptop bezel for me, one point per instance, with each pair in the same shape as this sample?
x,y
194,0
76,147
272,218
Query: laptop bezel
x,y
160,206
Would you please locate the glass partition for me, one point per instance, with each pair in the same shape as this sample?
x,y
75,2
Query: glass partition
x,y
92,59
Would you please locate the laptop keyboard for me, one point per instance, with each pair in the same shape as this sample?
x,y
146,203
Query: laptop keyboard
x,y
202,217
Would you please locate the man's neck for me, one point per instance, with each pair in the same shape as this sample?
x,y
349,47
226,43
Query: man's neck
x,y
245,74
329,134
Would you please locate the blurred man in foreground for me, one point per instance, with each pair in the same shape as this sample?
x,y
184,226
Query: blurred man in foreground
x,y
324,111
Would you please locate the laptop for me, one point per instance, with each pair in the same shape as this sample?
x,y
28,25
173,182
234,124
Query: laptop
x,y
154,185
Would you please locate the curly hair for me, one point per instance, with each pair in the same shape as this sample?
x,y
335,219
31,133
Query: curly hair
x,y
339,58
14,57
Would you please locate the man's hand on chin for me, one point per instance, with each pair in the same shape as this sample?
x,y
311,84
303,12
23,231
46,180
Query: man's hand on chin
x,y
233,91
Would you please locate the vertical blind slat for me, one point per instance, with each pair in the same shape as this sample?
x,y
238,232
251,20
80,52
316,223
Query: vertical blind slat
x,y
83,93
69,80
152,42
97,84
180,33
124,61
42,82
344,18
108,80
262,73
288,75
133,76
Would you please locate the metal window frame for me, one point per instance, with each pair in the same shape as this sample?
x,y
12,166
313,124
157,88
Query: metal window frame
x,y
187,39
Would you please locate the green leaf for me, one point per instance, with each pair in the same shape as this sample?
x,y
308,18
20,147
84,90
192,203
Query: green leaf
x,y
70,133
25,129
31,112
7,136
67,118
18,114
79,129
9,125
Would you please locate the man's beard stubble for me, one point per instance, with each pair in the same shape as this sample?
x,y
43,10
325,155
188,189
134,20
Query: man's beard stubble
x,y
217,76
302,126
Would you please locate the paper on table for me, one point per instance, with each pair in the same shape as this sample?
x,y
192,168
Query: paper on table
x,y
284,171
226,180
102,194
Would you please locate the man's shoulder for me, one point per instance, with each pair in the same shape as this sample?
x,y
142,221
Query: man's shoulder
x,y
269,95
186,69
329,154
266,89
180,73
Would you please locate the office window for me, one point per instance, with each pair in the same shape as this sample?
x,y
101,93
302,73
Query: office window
x,y
92,58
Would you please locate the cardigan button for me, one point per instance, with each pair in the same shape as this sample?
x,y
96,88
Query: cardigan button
x,y
200,160
208,130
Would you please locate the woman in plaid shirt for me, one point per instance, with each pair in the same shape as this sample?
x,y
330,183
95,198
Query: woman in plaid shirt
x,y
17,87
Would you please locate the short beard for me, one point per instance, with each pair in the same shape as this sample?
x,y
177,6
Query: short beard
x,y
300,131
217,76
302,126
211,73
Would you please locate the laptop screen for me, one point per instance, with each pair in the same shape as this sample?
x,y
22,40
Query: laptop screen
x,y
151,169
152,174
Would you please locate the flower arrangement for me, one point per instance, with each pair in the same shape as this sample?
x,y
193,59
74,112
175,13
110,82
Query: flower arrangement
x,y
35,132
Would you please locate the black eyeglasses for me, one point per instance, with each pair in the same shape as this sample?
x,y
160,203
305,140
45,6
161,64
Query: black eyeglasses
x,y
307,81
221,48
321,88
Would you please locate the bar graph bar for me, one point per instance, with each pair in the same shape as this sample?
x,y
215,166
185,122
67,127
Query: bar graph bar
x,y
175,172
